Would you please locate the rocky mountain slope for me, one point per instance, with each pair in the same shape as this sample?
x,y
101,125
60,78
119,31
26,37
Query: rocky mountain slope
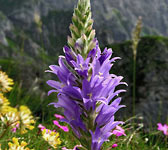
x,y
114,20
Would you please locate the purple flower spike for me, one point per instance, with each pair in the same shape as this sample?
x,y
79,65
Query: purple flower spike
x,y
88,95
87,92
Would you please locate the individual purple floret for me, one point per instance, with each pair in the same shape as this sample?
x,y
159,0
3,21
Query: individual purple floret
x,y
81,65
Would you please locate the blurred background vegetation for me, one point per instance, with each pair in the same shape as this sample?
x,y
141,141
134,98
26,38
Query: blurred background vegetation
x,y
32,34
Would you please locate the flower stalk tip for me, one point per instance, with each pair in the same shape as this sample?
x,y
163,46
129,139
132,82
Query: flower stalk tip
x,y
82,34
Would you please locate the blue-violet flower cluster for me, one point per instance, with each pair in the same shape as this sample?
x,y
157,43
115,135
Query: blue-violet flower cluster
x,y
86,91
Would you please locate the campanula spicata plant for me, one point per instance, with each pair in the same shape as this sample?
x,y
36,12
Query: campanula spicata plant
x,y
86,89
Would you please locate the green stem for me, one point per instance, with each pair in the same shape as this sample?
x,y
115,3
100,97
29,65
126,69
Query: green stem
x,y
134,85
134,89
7,126
4,132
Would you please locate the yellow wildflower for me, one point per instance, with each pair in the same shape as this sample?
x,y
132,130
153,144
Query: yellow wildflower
x,y
3,102
51,137
9,116
5,82
16,145
26,119
12,117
